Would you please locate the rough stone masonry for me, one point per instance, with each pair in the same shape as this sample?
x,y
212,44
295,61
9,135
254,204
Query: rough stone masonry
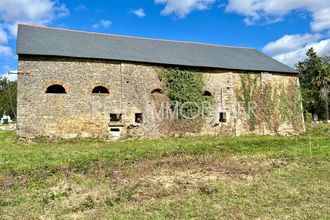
x,y
85,92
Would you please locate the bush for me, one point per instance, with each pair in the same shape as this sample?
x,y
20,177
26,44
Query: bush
x,y
308,118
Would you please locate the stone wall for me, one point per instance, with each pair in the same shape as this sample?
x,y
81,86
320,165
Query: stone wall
x,y
80,113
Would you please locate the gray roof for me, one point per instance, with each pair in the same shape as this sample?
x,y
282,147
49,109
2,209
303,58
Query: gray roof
x,y
34,40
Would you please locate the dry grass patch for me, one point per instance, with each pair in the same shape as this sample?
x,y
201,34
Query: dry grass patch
x,y
131,185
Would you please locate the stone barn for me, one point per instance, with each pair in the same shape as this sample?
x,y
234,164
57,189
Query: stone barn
x,y
79,84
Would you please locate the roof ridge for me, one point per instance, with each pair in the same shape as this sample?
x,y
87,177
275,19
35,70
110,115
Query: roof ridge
x,y
134,37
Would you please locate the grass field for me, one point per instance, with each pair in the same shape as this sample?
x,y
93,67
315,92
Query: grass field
x,y
196,177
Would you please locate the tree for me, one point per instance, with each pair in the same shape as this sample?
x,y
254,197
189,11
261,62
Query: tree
x,y
309,69
8,97
322,81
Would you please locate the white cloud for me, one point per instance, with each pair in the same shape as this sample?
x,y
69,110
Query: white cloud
x,y
290,43
6,51
181,8
3,36
275,10
38,12
321,20
102,23
139,12
287,51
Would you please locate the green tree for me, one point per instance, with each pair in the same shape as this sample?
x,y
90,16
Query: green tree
x,y
309,69
322,82
8,97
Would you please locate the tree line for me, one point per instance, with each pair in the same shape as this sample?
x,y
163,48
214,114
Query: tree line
x,y
314,77
8,97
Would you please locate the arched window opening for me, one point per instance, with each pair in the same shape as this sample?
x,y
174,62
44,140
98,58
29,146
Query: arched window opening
x,y
207,93
156,91
100,90
56,89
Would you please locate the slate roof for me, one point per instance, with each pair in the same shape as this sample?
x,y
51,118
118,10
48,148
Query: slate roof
x,y
34,40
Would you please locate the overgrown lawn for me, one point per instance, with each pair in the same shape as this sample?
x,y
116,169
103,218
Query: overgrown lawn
x,y
193,177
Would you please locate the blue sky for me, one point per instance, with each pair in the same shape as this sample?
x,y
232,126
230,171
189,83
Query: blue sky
x,y
281,29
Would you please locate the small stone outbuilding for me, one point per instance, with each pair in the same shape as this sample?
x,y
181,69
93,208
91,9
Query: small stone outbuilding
x,y
80,84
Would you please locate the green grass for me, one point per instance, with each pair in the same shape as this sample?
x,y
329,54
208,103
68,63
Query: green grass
x,y
195,177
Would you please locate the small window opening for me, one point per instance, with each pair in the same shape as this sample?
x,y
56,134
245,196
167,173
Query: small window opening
x,y
138,117
115,129
56,89
156,91
223,117
115,117
100,90
207,93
